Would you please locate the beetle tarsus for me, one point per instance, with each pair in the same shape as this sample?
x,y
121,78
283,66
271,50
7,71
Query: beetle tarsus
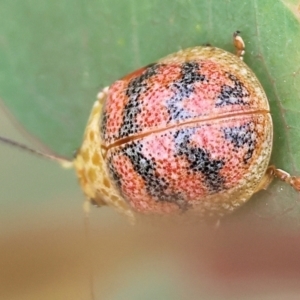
x,y
239,44
286,177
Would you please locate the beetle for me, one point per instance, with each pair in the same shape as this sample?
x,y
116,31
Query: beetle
x,y
191,132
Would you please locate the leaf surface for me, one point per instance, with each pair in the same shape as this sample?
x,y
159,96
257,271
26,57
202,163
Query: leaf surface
x,y
56,55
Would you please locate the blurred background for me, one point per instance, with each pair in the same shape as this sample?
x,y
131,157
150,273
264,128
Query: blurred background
x,y
54,58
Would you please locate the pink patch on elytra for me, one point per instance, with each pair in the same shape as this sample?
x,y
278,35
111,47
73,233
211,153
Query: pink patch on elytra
x,y
116,100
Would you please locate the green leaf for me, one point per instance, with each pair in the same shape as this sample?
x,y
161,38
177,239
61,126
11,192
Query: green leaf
x,y
56,55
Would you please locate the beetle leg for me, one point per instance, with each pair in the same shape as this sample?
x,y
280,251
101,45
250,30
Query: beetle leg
x,y
286,177
103,93
87,207
238,44
272,172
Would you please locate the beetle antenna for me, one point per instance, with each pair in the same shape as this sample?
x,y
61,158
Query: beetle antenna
x,y
65,162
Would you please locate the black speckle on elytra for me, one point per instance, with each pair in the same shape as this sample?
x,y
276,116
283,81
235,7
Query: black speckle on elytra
x,y
156,186
136,87
114,174
103,124
233,95
242,136
200,160
184,88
